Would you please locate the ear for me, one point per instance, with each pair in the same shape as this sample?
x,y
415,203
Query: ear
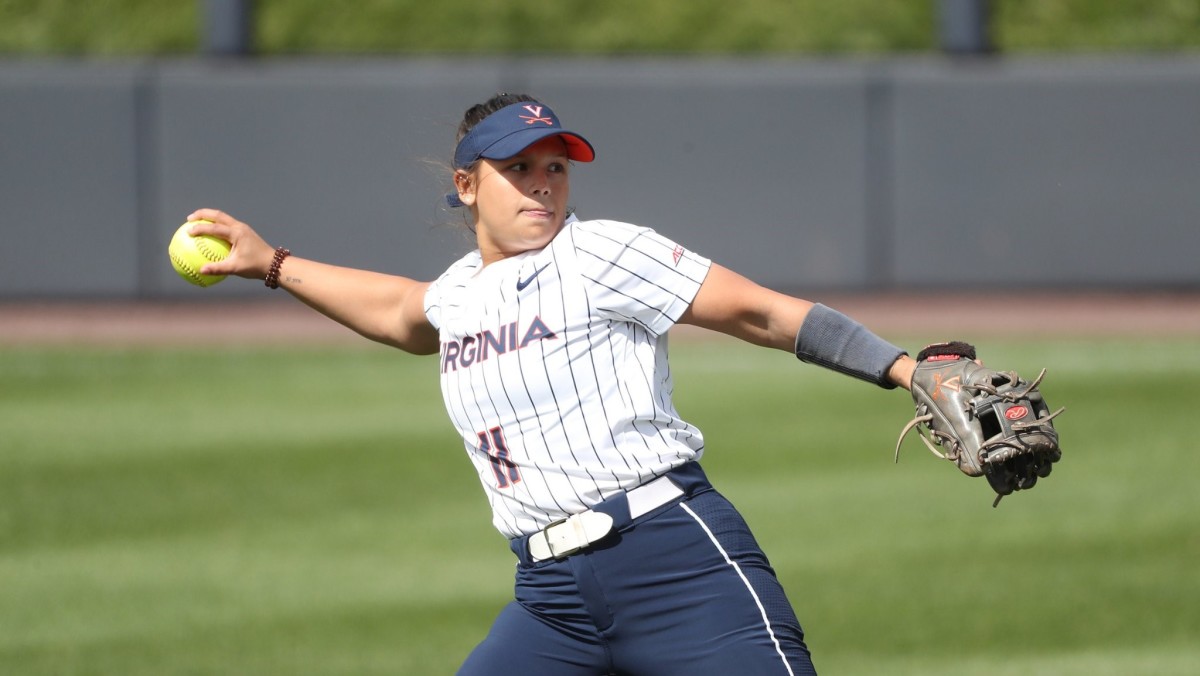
x,y
464,183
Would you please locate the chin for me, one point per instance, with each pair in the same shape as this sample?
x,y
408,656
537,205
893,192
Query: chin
x,y
542,237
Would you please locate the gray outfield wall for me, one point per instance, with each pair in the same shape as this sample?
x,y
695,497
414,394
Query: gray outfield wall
x,y
826,175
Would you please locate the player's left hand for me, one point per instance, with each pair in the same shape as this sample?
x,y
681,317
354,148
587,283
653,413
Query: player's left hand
x,y
250,256
989,423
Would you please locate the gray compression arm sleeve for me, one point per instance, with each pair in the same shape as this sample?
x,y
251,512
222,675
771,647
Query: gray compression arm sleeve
x,y
831,339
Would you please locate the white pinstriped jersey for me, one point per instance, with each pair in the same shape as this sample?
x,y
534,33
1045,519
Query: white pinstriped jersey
x,y
554,367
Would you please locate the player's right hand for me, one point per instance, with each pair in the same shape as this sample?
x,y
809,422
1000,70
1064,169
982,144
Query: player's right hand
x,y
250,256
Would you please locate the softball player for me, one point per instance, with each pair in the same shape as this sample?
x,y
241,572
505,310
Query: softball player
x,y
552,351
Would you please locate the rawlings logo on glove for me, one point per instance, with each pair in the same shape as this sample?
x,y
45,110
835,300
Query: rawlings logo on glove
x,y
988,423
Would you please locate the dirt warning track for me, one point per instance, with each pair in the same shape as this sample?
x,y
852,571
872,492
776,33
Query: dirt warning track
x,y
282,320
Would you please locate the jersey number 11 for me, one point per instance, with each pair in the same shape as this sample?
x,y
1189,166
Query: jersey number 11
x,y
493,445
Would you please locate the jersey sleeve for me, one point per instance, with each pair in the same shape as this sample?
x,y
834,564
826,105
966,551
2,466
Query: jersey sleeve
x,y
635,274
434,294
433,304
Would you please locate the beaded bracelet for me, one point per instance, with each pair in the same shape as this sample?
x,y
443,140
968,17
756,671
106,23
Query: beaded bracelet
x,y
273,274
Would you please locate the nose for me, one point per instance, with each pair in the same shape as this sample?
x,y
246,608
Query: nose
x,y
539,182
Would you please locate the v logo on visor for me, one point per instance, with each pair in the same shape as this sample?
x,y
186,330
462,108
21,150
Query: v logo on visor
x,y
522,283
536,111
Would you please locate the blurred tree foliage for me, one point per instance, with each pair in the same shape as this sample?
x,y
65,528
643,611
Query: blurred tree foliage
x,y
592,27
1097,25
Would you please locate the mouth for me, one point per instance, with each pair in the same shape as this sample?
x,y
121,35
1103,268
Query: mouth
x,y
538,213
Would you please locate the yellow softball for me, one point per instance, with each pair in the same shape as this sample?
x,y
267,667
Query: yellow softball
x,y
189,254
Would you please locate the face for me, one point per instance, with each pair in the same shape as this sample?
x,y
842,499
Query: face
x,y
520,203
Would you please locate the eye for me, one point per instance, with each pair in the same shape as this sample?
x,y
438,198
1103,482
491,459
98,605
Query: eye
x,y
517,166
557,168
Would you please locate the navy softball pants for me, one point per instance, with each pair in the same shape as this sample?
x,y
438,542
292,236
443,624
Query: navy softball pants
x,y
682,590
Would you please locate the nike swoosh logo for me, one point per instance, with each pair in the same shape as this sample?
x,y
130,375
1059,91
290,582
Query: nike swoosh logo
x,y
522,283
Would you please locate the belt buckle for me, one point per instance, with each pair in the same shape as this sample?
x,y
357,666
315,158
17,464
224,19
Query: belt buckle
x,y
554,552
582,530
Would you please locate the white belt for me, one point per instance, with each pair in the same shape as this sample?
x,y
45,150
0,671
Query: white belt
x,y
572,534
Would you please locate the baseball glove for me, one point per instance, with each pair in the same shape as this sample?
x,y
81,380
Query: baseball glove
x,y
989,423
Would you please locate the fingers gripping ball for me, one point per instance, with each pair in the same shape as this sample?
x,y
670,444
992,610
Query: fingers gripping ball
x,y
190,253
989,423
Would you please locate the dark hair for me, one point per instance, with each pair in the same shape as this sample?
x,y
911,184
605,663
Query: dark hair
x,y
477,112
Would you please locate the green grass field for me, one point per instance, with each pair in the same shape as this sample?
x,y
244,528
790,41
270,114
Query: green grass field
x,y
308,511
